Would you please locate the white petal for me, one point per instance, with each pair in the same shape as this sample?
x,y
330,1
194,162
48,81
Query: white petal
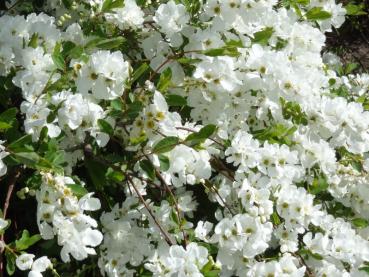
x,y
41,264
24,261
92,237
89,203
34,274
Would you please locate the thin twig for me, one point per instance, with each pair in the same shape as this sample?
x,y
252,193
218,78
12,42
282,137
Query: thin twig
x,y
215,190
309,271
162,180
218,164
164,233
11,186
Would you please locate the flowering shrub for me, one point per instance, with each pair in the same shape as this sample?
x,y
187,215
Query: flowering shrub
x,y
181,138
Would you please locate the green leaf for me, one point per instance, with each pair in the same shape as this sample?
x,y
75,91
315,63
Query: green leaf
x,y
212,273
365,269
110,43
351,67
8,118
317,13
26,241
164,162
30,159
275,134
77,190
33,42
185,60
275,219
175,100
281,43
67,3
111,4
114,175
10,262
134,109
262,37
352,9
200,136
231,51
105,127
96,172
303,2
165,145
165,80
307,252
148,167
139,72
56,158
318,185
71,50
58,58
234,43
4,126
43,134
116,104
360,222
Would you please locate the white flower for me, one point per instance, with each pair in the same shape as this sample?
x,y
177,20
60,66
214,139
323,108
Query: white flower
x,y
129,16
171,17
89,203
3,154
41,264
61,214
104,75
203,229
179,261
24,261
3,224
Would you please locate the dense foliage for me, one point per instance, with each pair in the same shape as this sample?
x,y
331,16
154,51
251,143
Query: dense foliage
x,y
181,138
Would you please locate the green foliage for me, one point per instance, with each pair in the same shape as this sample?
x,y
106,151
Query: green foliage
x,y
139,72
164,162
8,119
292,111
165,80
105,127
199,137
26,240
77,190
355,9
277,133
306,253
148,167
175,100
262,37
165,145
58,58
317,13
108,5
319,184
10,262
360,222
230,51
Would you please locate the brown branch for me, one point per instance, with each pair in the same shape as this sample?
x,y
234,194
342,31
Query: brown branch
x,y
162,180
11,186
215,190
219,165
309,271
164,233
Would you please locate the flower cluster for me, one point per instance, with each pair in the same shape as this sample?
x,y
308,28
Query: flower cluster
x,y
218,138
